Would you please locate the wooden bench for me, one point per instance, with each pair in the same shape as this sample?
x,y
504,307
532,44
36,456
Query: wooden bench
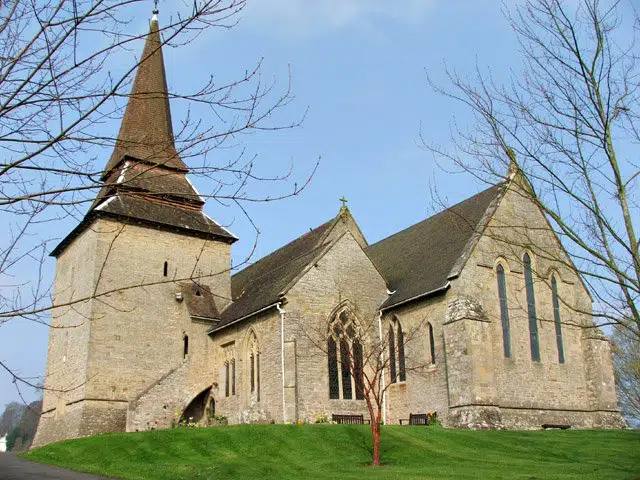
x,y
554,426
349,419
420,419
415,419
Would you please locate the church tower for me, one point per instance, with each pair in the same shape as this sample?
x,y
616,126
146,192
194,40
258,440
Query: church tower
x,y
138,281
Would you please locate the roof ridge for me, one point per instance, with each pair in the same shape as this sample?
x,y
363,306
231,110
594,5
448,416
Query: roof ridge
x,y
270,255
435,215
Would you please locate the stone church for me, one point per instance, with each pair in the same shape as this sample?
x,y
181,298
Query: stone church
x,y
484,321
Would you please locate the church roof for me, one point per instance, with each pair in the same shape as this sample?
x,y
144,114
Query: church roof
x,y
201,302
261,284
414,262
421,259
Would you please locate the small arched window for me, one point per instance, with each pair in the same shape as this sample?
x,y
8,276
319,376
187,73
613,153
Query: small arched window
x,y
402,374
254,366
229,355
345,358
165,270
392,355
556,318
432,344
185,346
531,309
504,311
227,383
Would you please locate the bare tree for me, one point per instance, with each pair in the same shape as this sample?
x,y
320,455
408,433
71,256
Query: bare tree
x,y
626,360
371,355
569,124
62,87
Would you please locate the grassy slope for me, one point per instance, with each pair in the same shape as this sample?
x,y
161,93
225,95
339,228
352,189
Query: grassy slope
x,y
337,451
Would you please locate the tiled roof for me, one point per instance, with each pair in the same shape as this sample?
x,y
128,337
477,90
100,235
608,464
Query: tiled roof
x,y
260,285
200,301
419,259
146,133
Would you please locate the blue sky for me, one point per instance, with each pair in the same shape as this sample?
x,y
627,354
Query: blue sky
x,y
358,66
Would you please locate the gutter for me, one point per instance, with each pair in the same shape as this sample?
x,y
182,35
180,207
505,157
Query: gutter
x,y
426,294
282,317
213,329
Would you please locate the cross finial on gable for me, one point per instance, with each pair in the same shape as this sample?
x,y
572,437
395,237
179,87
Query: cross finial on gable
x,y
344,201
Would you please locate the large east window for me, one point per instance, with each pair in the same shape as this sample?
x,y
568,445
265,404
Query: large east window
x,y
345,358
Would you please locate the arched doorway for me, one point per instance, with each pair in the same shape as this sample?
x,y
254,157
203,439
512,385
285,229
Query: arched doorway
x,y
195,411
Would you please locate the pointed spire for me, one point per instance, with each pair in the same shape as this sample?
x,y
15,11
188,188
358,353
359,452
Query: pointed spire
x,y
146,133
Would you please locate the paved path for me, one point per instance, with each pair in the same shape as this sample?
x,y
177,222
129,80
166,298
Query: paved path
x,y
14,468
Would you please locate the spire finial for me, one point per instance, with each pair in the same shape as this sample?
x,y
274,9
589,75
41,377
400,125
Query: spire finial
x,y
155,11
344,201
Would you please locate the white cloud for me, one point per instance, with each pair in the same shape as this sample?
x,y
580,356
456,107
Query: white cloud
x,y
307,17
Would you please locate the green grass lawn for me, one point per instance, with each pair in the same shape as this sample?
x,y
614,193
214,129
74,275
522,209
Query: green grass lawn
x,y
344,451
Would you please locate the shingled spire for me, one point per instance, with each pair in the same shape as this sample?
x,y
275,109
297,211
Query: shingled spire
x,y
145,180
146,133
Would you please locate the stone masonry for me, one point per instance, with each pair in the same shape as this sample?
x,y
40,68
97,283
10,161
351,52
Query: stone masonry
x,y
151,326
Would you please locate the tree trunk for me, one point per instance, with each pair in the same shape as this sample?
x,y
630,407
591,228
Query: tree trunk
x,y
375,436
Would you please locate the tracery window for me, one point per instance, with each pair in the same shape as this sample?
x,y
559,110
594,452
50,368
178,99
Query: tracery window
x,y
345,358
556,318
229,369
253,351
432,344
504,311
396,352
531,309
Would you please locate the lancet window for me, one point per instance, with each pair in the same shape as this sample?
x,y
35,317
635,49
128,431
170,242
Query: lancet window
x,y
531,309
556,318
253,354
504,311
397,367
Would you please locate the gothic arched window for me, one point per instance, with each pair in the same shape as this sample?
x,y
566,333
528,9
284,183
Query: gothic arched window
x,y
253,352
402,374
531,308
392,354
396,352
345,358
432,344
504,311
556,318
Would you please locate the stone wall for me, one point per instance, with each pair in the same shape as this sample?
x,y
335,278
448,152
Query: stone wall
x,y
425,389
132,330
527,391
68,348
233,342
344,275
